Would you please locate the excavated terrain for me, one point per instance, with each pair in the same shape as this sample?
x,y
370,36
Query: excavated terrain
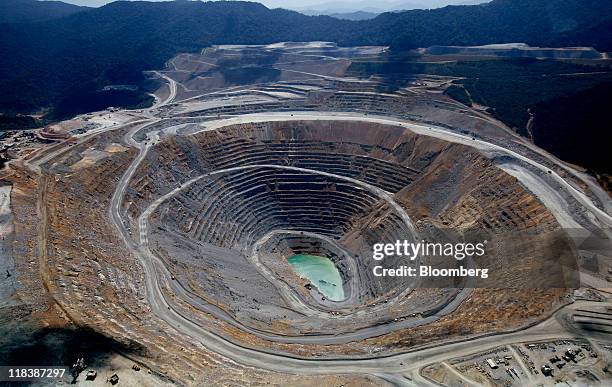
x,y
251,195
166,231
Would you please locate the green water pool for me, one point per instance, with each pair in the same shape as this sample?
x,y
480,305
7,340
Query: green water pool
x,y
321,272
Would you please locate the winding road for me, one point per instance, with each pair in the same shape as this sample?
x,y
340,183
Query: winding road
x,y
399,368
288,294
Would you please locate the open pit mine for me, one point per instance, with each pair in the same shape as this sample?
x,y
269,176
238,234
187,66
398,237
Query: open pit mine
x,y
224,236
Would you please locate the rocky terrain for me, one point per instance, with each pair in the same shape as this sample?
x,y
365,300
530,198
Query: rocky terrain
x,y
166,230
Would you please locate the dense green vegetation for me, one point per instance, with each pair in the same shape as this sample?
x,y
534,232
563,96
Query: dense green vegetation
x,y
536,22
41,63
599,35
27,11
88,101
511,87
576,127
249,68
12,121
458,93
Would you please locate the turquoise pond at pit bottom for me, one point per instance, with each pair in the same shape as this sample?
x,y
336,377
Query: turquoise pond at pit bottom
x,y
321,272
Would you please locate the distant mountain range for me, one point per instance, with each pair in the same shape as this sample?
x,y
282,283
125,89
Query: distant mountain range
x,y
357,15
43,61
344,7
26,11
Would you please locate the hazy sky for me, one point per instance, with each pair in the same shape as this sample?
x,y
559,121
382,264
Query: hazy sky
x,y
332,5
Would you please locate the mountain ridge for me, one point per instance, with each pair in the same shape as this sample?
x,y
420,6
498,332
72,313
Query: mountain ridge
x,y
28,11
42,62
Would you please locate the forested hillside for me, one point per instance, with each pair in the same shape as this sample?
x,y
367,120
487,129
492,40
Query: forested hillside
x,y
27,11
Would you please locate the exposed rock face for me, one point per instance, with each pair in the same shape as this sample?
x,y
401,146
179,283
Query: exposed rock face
x,y
252,195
